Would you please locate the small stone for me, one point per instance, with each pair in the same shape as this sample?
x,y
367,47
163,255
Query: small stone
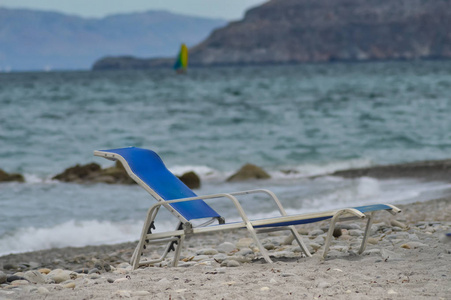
x,y
315,246
42,290
82,271
316,232
225,247
391,292
405,246
3,277
70,285
264,289
273,281
59,275
12,278
373,241
287,274
337,232
209,251
244,243
120,280
245,251
20,282
200,257
269,246
372,252
110,280
94,276
44,271
356,232
94,270
233,263
34,277
220,257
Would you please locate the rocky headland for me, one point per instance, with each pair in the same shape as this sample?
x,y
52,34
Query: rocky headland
x,y
298,31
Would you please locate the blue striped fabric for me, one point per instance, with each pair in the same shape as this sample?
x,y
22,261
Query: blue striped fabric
x,y
149,167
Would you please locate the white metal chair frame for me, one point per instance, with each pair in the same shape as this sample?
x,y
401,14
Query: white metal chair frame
x,y
185,227
178,235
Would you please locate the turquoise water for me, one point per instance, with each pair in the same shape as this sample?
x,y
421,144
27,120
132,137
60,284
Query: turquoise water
x,y
312,119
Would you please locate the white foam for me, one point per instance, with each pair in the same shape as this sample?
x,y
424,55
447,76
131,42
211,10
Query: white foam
x,y
308,170
71,233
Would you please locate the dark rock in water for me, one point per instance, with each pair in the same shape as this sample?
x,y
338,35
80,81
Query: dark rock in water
x,y
249,171
93,173
78,173
10,177
191,180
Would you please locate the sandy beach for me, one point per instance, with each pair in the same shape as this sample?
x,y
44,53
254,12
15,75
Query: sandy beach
x,y
411,262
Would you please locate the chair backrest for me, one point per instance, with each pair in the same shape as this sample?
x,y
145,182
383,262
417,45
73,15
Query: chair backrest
x,y
150,169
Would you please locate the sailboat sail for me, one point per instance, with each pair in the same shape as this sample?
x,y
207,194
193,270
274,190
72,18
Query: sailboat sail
x,y
181,64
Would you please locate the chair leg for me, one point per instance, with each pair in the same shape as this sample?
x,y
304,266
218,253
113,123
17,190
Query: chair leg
x,y
178,250
299,240
367,231
330,234
259,244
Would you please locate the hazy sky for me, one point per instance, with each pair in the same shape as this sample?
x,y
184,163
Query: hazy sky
x,y
226,9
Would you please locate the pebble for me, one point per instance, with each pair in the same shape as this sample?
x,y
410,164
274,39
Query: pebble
x,y
3,277
220,257
356,232
44,271
264,289
110,280
42,290
12,278
373,241
34,277
225,247
413,245
233,263
245,251
70,285
20,282
244,243
209,251
287,274
122,279
316,232
59,275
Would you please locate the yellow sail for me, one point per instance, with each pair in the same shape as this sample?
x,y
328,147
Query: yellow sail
x,y
181,64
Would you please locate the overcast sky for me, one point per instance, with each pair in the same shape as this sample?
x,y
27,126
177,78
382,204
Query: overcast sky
x,y
225,9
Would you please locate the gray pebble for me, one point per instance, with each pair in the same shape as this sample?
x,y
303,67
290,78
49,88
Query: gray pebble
x,y
316,232
233,263
3,277
208,251
225,247
110,280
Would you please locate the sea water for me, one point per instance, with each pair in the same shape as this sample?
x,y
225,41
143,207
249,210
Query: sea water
x,y
293,121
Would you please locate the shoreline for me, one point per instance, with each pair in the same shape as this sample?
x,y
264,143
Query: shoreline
x,y
399,263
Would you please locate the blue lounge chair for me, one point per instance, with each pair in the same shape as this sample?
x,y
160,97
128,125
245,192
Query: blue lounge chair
x,y
149,171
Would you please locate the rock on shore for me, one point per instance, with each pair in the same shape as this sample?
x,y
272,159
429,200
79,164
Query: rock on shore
x,y
5,177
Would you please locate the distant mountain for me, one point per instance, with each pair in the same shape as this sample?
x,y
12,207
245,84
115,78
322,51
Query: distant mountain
x,y
34,40
296,31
